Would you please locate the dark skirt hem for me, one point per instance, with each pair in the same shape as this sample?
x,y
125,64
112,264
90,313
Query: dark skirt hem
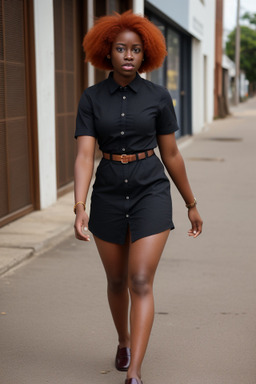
x,y
133,238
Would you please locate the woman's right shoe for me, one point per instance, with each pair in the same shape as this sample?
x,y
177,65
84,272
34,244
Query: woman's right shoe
x,y
123,359
133,381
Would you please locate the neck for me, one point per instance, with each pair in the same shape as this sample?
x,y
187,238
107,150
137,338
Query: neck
x,y
123,81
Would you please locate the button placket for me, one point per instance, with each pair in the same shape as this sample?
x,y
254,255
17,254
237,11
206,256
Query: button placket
x,y
123,146
126,191
123,119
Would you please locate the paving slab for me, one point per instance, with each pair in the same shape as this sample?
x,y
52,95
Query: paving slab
x,y
35,232
11,257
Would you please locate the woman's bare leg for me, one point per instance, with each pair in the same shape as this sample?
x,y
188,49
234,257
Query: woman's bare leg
x,y
115,260
144,255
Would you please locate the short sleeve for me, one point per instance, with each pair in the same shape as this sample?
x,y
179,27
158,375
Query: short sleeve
x,y
85,117
166,120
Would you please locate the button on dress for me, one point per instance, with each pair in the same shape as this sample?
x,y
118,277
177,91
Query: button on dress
x,y
127,120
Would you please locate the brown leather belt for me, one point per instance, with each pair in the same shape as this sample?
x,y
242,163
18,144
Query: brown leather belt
x,y
124,159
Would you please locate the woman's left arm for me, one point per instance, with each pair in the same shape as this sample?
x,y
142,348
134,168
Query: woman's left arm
x,y
175,166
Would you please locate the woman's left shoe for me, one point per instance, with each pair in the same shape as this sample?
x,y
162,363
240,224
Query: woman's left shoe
x,y
123,359
133,381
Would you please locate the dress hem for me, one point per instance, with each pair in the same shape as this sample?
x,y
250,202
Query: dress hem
x,y
172,227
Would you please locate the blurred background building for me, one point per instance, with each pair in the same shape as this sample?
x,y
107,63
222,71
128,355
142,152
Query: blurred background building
x,y
42,75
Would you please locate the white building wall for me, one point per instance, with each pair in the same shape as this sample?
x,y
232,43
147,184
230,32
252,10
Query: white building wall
x,y
45,80
208,50
196,28
211,55
138,6
90,21
202,27
197,86
196,18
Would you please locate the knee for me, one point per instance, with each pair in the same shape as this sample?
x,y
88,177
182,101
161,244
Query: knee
x,y
140,285
117,285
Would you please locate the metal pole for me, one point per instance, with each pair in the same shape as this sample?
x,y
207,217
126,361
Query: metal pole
x,y
237,57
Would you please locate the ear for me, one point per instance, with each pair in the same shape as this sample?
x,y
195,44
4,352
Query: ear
x,y
108,57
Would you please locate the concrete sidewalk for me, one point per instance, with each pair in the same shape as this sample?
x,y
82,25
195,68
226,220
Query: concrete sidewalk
x,y
40,230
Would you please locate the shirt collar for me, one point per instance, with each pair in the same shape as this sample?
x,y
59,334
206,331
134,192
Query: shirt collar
x,y
134,85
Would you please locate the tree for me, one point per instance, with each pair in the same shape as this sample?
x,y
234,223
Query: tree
x,y
247,50
250,17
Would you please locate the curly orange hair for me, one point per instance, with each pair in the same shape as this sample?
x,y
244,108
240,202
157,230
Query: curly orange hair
x,y
98,41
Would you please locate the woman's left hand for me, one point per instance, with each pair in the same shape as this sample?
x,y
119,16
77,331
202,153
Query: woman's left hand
x,y
196,222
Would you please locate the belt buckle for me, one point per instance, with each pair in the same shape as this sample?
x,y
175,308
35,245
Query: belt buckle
x,y
124,159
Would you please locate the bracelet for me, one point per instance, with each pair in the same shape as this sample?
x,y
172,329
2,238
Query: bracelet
x,y
192,205
79,202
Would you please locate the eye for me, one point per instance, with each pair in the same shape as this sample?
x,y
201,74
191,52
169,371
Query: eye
x,y
120,49
136,50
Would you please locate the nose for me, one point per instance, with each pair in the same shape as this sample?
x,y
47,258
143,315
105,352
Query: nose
x,y
129,54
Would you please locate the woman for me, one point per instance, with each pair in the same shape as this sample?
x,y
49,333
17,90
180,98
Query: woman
x,y
131,209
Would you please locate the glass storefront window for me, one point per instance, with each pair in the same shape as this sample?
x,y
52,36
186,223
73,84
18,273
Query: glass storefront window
x,y
173,68
159,75
175,73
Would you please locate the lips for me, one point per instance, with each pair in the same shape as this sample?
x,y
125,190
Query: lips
x,y
128,66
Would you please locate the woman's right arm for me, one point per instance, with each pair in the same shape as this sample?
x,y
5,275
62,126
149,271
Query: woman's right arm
x,y
84,165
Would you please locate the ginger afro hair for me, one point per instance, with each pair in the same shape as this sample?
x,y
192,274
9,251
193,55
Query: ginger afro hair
x,y
98,41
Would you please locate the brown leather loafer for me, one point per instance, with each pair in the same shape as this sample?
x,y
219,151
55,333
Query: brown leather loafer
x,y
132,381
123,359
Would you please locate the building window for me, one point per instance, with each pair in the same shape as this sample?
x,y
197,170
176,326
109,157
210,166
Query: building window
x,y
16,135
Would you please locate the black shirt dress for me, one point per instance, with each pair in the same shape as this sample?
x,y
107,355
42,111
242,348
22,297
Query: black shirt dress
x,y
127,120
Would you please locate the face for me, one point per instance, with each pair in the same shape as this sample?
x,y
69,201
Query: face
x,y
126,56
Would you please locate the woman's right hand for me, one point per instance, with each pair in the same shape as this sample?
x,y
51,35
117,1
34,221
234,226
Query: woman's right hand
x,y
81,225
